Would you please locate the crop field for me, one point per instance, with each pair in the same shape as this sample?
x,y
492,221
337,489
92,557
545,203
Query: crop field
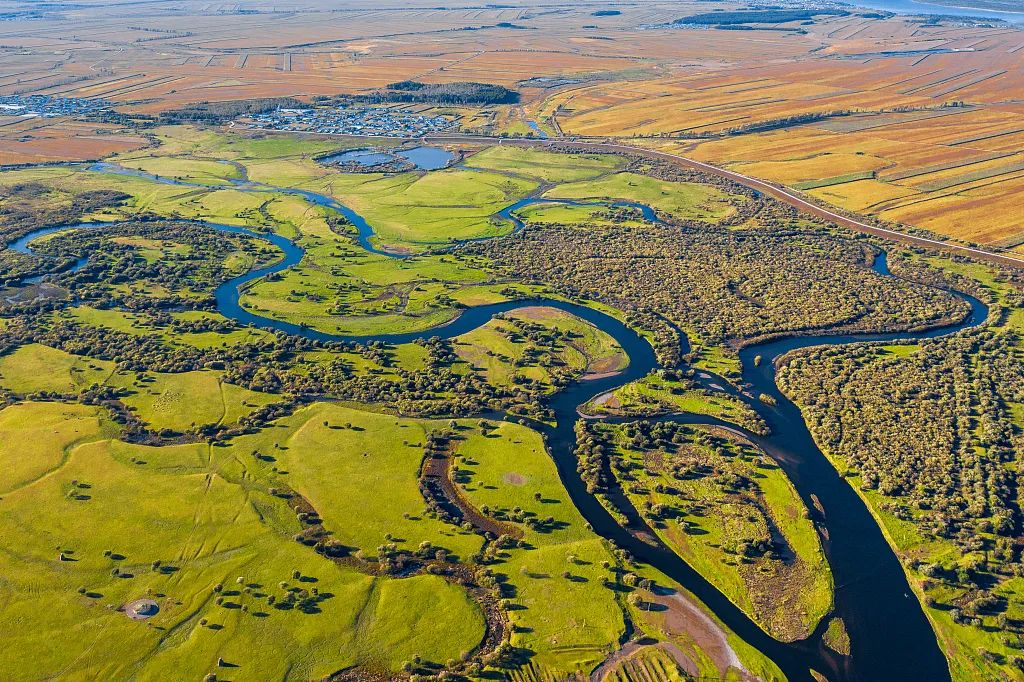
x,y
33,141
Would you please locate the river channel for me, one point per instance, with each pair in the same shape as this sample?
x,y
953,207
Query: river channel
x,y
891,639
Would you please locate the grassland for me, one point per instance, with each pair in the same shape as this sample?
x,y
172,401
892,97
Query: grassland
x,y
563,562
212,518
200,531
178,402
437,208
39,436
522,347
548,167
679,199
733,515
547,214
656,394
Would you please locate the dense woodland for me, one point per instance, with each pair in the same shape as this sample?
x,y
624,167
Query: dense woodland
x,y
727,285
29,206
951,400
440,93
221,112
933,432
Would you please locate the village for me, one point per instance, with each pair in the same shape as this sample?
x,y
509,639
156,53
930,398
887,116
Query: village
x,y
351,121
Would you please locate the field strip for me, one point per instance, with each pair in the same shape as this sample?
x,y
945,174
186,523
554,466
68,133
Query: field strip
x,y
885,86
730,106
920,198
968,84
914,172
959,180
979,138
919,88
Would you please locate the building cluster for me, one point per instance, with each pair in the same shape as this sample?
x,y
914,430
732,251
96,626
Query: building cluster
x,y
351,121
49,107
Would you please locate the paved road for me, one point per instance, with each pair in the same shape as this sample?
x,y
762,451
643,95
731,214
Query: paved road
x,y
780,193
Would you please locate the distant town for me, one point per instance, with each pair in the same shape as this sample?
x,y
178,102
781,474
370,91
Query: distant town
x,y
351,121
31,106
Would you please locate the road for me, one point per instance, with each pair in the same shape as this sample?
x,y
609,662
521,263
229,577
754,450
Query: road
x,y
781,193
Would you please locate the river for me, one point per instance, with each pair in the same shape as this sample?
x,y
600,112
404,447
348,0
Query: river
x,y
891,638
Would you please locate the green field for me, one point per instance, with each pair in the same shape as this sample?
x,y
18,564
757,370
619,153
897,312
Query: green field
x,y
545,166
204,530
719,503
683,200
504,349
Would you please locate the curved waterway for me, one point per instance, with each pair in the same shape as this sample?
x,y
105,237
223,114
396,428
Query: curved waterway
x,y
891,637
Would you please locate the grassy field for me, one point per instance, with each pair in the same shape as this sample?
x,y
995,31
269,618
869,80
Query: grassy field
x,y
546,166
545,214
654,394
39,436
504,349
680,199
178,402
216,513
588,622
211,518
205,526
411,210
341,471
715,501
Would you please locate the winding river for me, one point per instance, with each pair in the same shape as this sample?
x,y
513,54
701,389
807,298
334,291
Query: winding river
x,y
891,637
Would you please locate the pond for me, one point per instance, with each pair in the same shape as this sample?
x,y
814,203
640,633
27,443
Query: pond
x,y
423,158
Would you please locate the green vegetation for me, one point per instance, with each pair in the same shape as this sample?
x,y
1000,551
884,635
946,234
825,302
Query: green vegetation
x,y
39,436
648,663
546,166
411,210
682,200
464,92
191,531
379,515
588,215
728,284
668,392
543,345
942,484
725,507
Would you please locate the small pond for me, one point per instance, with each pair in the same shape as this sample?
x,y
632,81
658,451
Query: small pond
x,y
423,158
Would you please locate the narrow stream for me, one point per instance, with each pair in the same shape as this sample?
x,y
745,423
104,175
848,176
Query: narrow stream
x,y
891,637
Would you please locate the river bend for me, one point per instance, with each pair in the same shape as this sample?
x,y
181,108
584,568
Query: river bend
x,y
890,636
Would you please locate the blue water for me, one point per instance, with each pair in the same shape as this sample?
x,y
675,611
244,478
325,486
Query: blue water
x,y
537,129
363,157
427,158
423,158
928,8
